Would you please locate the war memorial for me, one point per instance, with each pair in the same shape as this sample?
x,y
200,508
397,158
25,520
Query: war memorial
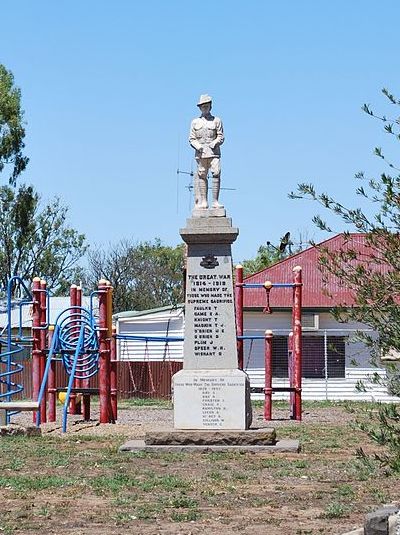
x,y
211,396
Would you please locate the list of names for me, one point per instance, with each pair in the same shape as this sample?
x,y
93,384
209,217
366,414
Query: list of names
x,y
206,295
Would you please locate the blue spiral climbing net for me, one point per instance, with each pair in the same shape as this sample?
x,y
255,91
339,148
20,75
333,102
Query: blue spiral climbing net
x,y
78,342
75,340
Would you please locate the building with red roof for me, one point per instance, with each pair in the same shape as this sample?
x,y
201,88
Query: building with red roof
x,y
334,362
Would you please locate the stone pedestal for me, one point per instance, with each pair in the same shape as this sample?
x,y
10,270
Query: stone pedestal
x,y
210,392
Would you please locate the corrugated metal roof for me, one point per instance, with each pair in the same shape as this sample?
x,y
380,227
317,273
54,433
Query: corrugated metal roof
x,y
317,293
138,313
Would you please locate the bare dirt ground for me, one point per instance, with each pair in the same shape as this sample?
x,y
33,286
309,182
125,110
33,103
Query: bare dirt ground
x,y
78,483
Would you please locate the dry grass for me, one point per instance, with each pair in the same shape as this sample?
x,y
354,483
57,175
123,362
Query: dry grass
x,y
81,484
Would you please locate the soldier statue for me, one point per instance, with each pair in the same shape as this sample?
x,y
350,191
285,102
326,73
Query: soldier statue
x,y
206,137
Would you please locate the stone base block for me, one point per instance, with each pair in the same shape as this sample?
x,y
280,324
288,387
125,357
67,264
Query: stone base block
x,y
211,399
250,437
209,212
281,446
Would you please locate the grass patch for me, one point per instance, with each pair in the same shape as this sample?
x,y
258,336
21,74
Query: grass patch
x,y
187,516
345,491
22,483
183,502
336,510
112,483
148,511
122,518
381,496
124,501
166,482
145,402
6,528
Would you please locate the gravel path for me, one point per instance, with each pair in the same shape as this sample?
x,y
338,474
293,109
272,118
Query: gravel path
x,y
134,422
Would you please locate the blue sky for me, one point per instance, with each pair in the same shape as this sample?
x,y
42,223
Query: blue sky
x,y
109,90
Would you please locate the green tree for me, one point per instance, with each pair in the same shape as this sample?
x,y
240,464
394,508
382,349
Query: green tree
x,y
35,240
12,131
266,256
144,275
373,274
269,254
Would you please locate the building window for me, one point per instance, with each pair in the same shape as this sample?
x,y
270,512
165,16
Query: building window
x,y
313,361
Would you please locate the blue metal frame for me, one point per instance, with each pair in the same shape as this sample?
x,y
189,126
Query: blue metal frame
x,y
13,347
148,338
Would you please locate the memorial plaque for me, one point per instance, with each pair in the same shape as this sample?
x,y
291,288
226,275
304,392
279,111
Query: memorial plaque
x,y
211,399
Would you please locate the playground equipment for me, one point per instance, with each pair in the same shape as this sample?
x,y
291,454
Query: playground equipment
x,y
83,344
84,347
147,382
10,347
295,344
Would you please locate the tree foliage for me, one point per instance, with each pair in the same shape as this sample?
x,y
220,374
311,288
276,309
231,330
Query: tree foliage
x,y
266,256
269,254
12,131
373,274
144,275
35,240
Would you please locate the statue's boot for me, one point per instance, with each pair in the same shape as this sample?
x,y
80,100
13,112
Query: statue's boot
x,y
203,191
215,192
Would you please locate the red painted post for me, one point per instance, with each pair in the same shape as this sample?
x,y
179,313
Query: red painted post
x,y
43,340
291,374
78,382
36,352
109,311
72,301
268,376
51,382
104,349
297,341
114,376
239,313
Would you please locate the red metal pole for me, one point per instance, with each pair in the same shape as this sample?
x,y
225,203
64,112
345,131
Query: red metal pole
x,y
239,313
36,352
268,376
109,310
104,366
79,382
113,376
72,300
291,373
297,341
51,383
43,339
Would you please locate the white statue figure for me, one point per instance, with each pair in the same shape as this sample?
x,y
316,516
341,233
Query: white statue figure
x,y
206,137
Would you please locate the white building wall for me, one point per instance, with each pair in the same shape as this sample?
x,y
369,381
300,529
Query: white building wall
x,y
171,323
357,360
332,390
167,323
